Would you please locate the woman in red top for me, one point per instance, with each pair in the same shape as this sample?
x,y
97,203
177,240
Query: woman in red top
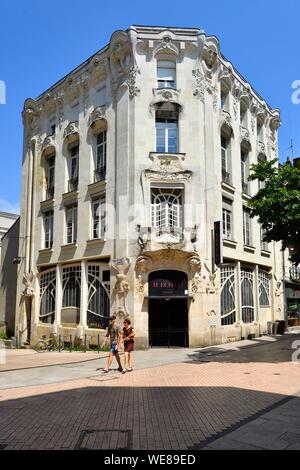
x,y
128,338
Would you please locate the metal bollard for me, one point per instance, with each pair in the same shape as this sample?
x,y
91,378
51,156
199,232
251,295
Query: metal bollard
x,y
85,343
98,344
71,343
59,343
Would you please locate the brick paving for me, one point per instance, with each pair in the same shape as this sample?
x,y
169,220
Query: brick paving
x,y
177,406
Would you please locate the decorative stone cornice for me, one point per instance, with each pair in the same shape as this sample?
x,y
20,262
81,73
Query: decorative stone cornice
x,y
245,138
71,129
49,143
98,114
167,167
166,46
165,95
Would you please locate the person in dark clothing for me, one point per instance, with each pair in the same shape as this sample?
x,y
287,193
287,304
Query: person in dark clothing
x,y
128,339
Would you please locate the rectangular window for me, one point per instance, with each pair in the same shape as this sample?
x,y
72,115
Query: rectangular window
x,y
100,163
74,168
71,222
247,227
98,213
260,127
166,74
264,288
166,135
227,219
243,115
74,112
48,227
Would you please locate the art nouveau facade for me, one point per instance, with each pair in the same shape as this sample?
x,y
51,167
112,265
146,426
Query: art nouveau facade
x,y
128,163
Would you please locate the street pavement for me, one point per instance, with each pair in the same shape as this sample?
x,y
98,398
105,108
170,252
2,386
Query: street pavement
x,y
237,396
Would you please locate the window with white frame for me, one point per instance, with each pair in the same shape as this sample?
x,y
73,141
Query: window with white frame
x,y
264,284
227,219
100,160
74,167
98,216
167,212
50,176
71,285
228,302
98,297
247,227
71,224
166,74
166,118
47,297
48,229
52,126
261,159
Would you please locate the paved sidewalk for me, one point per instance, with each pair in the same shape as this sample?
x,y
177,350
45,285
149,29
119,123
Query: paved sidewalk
x,y
180,406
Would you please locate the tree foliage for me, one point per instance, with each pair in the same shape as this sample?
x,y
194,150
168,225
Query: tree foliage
x,y
277,204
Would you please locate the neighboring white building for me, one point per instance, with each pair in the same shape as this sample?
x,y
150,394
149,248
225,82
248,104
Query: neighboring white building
x,y
6,221
128,163
8,275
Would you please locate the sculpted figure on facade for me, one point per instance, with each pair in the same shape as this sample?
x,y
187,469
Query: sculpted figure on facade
x,y
28,290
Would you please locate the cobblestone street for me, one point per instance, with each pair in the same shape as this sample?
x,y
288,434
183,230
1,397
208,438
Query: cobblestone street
x,y
238,396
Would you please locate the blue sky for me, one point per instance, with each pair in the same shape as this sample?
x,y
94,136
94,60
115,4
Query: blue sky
x,y
40,42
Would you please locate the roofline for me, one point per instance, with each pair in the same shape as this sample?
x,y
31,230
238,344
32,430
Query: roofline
x,y
9,215
162,28
10,228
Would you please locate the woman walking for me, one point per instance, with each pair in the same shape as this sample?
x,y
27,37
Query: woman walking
x,y
128,339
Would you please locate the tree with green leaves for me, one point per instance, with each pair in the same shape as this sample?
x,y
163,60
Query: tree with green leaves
x,y
277,204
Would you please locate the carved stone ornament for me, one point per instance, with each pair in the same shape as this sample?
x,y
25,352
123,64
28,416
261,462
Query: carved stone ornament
x,y
143,264
121,265
71,129
72,89
262,148
275,123
237,93
167,168
209,57
140,286
28,290
211,287
245,138
30,113
194,264
48,143
98,114
123,67
166,46
226,124
165,96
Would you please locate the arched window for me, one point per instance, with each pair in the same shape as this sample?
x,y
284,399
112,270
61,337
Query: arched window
x,y
167,212
247,296
71,288
228,302
225,158
166,74
98,297
47,296
264,288
245,170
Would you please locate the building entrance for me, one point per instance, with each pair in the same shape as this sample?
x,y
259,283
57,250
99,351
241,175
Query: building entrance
x,y
168,309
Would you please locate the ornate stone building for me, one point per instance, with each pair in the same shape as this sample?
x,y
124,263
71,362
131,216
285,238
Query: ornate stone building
x,y
128,163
